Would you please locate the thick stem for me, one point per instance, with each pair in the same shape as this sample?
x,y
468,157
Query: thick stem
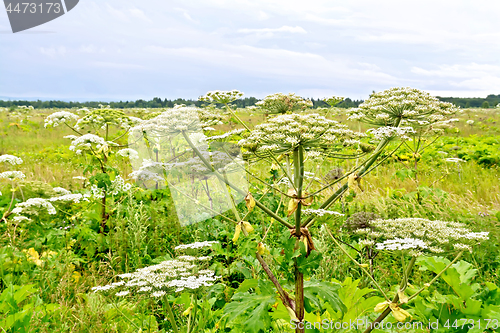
x,y
285,298
298,162
299,296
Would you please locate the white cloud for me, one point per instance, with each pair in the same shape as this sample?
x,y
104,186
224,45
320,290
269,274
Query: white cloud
x,y
285,28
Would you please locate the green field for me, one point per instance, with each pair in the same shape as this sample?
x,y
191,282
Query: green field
x,y
49,263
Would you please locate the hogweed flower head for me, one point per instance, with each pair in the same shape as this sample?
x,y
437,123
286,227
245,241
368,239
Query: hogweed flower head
x,y
432,236
168,276
11,159
58,118
280,103
284,133
12,175
221,97
411,106
33,206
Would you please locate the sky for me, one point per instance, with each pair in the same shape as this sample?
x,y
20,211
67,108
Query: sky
x,y
126,50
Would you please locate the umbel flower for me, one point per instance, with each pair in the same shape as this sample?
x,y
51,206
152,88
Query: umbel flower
x,y
100,118
168,276
422,234
222,97
11,159
412,107
284,133
58,118
280,103
33,206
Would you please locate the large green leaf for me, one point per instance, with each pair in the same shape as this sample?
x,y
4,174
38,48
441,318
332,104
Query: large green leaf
x,y
251,309
317,293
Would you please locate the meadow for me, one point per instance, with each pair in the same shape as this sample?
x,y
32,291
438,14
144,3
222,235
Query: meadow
x,y
346,236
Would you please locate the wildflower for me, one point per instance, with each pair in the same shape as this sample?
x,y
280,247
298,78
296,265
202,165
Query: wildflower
x,y
128,152
415,107
454,160
33,256
60,117
222,97
33,206
12,175
10,159
284,133
75,198
196,245
321,212
401,244
60,190
388,132
280,103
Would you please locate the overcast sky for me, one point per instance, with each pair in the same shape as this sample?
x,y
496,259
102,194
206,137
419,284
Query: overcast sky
x,y
124,49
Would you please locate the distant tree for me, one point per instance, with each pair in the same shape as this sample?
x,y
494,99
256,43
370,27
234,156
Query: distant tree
x,y
485,105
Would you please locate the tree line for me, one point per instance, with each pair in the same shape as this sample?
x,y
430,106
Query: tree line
x,y
157,102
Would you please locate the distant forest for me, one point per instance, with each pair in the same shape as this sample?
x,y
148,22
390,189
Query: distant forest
x,y
489,102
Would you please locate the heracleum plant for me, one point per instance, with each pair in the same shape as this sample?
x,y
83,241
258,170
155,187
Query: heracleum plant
x,y
96,137
290,142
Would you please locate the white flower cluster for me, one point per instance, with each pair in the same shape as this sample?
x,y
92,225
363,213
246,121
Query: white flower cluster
x,y
455,160
14,160
128,152
321,212
75,198
195,245
407,104
170,122
387,132
12,175
61,191
86,141
285,132
119,186
280,103
101,118
434,234
222,97
171,275
33,206
401,244
60,117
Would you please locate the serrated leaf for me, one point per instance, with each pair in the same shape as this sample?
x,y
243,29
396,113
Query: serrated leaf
x,y
318,293
252,309
306,264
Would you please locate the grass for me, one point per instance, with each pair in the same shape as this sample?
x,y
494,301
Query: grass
x,y
468,192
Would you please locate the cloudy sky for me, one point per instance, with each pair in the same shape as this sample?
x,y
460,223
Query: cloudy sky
x,y
124,49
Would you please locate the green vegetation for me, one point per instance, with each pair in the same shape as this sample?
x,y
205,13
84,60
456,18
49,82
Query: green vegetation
x,y
265,253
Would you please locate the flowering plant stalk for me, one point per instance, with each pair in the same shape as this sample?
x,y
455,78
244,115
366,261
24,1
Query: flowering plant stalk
x,y
290,142
98,146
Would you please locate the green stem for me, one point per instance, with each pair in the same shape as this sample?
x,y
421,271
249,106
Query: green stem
x,y
237,118
298,162
171,317
358,264
436,277
402,287
218,175
363,172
